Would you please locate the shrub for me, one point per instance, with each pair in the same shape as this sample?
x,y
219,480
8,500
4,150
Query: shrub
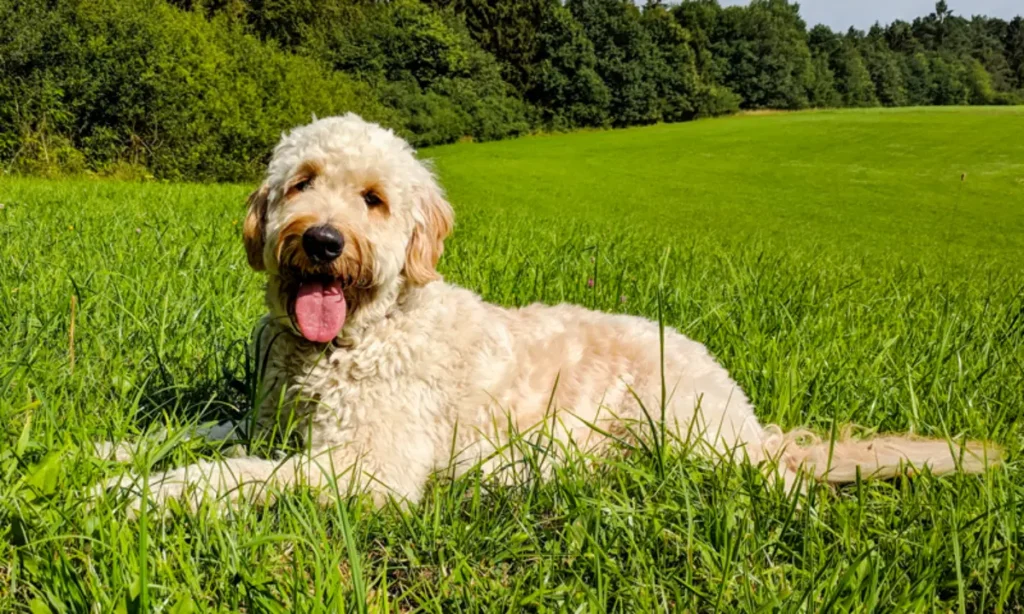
x,y
141,83
440,85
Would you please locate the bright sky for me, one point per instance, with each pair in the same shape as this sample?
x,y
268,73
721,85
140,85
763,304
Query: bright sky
x,y
841,14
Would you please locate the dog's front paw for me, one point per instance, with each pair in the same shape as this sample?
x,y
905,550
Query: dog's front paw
x,y
156,492
122,452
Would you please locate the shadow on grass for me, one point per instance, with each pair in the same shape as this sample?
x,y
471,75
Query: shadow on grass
x,y
217,389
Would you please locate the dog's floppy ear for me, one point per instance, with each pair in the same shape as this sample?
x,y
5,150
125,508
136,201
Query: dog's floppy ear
x,y
434,221
252,230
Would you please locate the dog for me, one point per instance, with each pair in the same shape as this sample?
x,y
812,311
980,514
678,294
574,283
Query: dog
x,y
387,374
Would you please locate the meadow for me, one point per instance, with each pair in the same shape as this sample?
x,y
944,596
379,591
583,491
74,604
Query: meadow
x,y
847,267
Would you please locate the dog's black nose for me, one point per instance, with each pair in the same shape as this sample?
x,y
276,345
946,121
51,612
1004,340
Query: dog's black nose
x,y
323,244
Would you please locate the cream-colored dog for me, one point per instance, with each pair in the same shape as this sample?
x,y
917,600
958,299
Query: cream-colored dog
x,y
389,374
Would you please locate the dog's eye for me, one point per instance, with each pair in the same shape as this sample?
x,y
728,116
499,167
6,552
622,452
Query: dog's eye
x,y
302,185
372,199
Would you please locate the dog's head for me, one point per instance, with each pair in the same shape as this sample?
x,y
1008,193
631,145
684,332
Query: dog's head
x,y
346,212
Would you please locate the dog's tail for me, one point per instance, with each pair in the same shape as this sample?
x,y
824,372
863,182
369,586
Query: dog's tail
x,y
840,459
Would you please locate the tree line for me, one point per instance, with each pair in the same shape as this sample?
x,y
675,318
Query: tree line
x,y
201,89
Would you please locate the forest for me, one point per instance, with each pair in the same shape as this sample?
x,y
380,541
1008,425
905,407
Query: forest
x,y
201,90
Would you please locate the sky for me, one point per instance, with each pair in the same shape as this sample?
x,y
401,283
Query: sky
x,y
841,14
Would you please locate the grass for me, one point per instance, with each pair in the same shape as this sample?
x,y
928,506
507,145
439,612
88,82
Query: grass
x,y
836,263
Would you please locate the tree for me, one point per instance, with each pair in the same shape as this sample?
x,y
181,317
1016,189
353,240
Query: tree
x,y
127,84
674,70
822,93
564,84
852,80
507,29
979,84
422,61
917,74
948,85
986,46
941,30
625,55
900,37
1013,44
763,56
700,19
884,68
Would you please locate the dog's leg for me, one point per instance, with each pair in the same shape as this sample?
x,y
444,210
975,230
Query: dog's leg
x,y
214,433
121,452
250,479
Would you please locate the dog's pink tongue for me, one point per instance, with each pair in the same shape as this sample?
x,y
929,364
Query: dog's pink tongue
x,y
320,310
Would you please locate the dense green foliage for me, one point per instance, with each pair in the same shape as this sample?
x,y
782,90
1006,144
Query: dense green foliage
x,y
201,89
420,62
99,84
871,285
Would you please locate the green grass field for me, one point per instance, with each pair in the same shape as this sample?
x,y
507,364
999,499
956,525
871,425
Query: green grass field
x,y
837,263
